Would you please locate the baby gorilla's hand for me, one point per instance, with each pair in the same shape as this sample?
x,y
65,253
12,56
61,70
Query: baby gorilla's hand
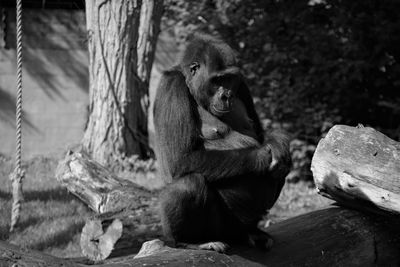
x,y
281,158
263,158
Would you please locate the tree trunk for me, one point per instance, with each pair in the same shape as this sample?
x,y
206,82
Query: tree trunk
x,y
122,37
359,167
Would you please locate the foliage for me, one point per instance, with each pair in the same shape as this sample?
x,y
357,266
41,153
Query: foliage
x,y
311,63
134,164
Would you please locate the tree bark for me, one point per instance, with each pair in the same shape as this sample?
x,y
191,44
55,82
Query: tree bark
x,y
121,41
359,167
97,187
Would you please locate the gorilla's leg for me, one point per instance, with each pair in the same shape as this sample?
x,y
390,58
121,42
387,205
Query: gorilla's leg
x,y
191,214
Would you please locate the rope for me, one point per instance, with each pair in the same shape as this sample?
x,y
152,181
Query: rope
x,y
17,176
4,25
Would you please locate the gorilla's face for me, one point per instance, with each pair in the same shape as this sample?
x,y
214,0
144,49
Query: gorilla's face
x,y
213,89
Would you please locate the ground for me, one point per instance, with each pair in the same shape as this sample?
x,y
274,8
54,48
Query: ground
x,y
52,219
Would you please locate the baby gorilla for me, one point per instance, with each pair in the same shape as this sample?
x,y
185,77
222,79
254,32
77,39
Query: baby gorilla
x,y
232,131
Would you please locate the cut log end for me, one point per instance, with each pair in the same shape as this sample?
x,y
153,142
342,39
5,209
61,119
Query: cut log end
x,y
359,167
99,237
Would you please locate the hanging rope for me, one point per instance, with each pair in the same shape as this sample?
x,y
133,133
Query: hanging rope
x,y
17,176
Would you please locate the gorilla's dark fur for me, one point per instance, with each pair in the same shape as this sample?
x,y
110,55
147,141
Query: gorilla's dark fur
x,y
210,144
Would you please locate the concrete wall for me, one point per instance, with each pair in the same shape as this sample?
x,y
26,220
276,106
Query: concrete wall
x,y
55,80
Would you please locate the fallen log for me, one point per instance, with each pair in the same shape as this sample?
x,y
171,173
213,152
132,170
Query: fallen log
x,y
11,255
334,236
330,237
115,230
114,234
358,167
96,186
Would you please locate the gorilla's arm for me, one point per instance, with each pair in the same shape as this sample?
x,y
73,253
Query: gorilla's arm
x,y
277,140
178,138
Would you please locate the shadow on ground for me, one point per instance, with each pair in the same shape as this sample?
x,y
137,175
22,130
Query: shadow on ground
x,y
56,194
61,238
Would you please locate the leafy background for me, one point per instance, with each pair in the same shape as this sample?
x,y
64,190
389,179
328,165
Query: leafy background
x,y
309,63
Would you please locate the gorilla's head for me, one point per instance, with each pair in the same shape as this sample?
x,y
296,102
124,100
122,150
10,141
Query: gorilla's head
x,y
211,73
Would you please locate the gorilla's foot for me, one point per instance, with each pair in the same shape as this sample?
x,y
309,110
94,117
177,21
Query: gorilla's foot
x,y
217,246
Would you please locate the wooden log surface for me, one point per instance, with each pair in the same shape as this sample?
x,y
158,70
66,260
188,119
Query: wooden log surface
x,y
334,236
114,234
359,167
96,186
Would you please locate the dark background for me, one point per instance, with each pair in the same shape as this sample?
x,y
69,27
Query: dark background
x,y
310,64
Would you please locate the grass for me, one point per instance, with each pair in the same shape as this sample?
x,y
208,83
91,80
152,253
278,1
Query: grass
x,y
52,219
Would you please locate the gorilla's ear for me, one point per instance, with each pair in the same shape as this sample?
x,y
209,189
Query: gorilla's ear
x,y
194,66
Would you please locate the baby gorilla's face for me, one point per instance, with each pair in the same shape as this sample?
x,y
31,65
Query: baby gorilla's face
x,y
221,102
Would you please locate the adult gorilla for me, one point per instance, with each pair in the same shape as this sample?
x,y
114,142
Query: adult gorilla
x,y
210,142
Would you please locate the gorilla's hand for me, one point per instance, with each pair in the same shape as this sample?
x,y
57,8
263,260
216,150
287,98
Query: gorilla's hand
x,y
280,149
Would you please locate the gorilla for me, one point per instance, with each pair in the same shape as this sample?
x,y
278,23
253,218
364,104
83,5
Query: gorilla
x,y
223,173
